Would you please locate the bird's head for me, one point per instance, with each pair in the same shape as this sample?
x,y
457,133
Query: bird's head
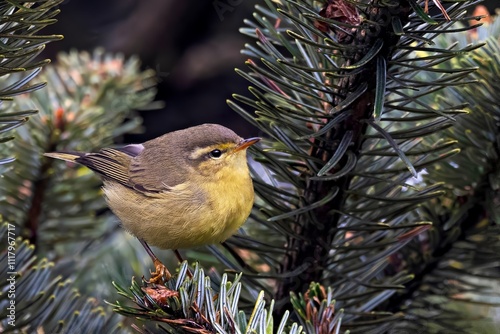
x,y
215,151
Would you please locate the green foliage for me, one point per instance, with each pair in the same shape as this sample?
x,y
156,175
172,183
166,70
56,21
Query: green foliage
x,y
43,300
348,94
316,310
20,22
188,304
463,248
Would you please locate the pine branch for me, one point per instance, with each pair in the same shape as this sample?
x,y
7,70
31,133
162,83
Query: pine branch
x,y
39,190
464,245
341,89
36,299
316,310
189,304
19,24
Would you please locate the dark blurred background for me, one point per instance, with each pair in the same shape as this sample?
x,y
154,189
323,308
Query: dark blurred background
x,y
193,45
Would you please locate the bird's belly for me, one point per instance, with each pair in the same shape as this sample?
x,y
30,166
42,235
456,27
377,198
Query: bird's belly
x,y
173,221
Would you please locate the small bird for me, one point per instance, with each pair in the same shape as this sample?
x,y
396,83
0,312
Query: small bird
x,y
187,188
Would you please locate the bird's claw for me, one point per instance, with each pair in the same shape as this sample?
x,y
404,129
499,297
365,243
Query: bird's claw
x,y
160,275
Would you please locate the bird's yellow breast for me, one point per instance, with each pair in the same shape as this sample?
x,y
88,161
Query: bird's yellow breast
x,y
230,200
195,213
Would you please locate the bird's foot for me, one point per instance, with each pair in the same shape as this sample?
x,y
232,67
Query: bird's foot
x,y
161,274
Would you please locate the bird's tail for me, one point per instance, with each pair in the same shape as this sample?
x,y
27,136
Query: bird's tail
x,y
67,156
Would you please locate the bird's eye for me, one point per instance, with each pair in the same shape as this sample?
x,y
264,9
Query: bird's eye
x,y
215,154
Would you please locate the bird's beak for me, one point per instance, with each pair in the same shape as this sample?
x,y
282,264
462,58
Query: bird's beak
x,y
245,143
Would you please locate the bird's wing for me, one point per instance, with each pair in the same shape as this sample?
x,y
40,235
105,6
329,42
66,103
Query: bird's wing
x,y
110,163
146,171
156,169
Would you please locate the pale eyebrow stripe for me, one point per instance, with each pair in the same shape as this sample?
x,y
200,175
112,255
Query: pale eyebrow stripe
x,y
200,151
